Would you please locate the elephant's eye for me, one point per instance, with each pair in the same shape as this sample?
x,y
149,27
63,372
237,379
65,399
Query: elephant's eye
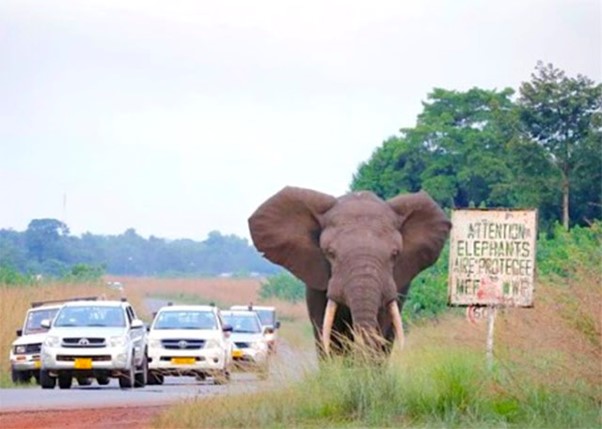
x,y
329,252
394,253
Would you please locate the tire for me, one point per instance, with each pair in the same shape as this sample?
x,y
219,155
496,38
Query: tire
x,y
103,380
127,377
155,378
222,378
46,381
141,377
65,381
200,376
84,381
20,377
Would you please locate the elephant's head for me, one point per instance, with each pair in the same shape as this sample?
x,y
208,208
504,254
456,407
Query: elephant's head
x,y
356,252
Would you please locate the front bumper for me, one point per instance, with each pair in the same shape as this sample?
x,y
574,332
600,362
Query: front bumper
x,y
104,358
25,362
176,362
250,358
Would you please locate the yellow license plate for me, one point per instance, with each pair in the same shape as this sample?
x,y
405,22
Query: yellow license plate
x,y
183,361
83,363
37,364
237,353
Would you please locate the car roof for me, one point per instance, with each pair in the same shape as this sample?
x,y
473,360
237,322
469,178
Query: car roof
x,y
94,303
45,307
211,308
239,313
253,307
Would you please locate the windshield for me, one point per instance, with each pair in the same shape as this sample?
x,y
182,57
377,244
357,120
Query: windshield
x,y
267,317
35,317
243,323
185,320
101,316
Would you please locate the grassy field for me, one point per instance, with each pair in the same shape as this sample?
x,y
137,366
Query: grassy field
x,y
547,374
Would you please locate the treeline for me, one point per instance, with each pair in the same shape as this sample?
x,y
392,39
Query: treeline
x,y
48,248
489,148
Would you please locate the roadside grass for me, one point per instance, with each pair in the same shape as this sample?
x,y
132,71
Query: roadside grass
x,y
15,301
547,374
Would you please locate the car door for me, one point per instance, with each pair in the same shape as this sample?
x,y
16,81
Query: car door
x,y
137,335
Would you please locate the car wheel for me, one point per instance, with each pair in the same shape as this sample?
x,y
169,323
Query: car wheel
x,y
20,377
128,376
84,381
141,377
46,381
223,377
103,380
65,381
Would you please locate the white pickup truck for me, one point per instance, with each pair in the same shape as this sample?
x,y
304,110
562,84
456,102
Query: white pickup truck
x,y
25,350
94,339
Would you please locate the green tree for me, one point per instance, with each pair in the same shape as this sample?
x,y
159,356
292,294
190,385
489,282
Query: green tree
x,y
44,239
564,115
458,151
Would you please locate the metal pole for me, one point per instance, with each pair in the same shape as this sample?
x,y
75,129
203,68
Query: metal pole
x,y
490,326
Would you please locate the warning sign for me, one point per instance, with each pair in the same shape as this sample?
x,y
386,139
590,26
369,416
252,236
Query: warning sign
x,y
492,257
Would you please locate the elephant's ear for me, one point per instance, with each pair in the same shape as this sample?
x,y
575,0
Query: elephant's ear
x,y
287,230
424,230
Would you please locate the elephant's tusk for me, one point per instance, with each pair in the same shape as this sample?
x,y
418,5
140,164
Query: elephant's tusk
x,y
397,324
331,309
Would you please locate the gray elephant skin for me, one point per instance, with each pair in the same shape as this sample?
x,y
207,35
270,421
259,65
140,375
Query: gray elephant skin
x,y
357,255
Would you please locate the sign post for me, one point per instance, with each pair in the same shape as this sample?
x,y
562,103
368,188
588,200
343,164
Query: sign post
x,y
492,262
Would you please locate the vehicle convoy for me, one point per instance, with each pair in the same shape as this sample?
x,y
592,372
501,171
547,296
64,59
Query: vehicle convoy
x,y
189,340
25,350
250,347
268,319
94,339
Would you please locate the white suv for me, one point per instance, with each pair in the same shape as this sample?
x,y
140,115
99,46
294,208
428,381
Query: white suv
x,y
250,352
268,319
189,340
25,350
94,339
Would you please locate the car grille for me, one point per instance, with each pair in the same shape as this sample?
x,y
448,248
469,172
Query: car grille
x,y
69,358
30,348
183,344
79,342
243,345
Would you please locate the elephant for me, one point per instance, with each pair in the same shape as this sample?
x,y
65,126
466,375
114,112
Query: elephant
x,y
357,255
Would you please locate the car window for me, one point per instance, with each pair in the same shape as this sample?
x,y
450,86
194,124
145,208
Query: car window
x,y
267,317
100,316
35,317
243,323
174,319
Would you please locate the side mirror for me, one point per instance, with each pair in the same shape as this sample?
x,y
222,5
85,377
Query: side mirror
x,y
45,323
137,324
19,332
277,325
147,328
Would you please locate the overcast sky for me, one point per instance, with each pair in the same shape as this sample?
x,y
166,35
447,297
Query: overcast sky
x,y
181,117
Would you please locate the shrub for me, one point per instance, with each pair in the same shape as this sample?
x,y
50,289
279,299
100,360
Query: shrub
x,y
283,286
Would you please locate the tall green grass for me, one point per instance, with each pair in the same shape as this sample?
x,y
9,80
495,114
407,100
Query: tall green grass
x,y
424,388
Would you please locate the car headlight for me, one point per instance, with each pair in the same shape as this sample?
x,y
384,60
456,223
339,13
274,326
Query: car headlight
x,y
155,344
212,344
52,341
259,345
20,349
118,341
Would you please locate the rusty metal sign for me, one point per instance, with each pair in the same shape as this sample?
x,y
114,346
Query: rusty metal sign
x,y
492,257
